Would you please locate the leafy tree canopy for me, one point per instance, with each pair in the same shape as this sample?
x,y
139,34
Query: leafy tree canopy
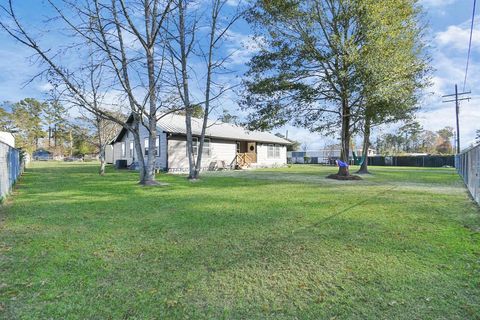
x,y
326,65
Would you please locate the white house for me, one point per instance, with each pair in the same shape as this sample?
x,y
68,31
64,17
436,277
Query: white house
x,y
109,153
325,156
226,146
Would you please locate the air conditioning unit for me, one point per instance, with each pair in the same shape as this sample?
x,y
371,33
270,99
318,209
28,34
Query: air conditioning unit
x,y
121,164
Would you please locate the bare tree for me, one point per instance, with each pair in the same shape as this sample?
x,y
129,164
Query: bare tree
x,y
188,25
180,49
98,114
104,132
103,26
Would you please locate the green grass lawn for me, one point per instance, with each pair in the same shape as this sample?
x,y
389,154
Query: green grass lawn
x,y
269,244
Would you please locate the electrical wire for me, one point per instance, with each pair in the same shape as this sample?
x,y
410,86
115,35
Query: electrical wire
x,y
469,44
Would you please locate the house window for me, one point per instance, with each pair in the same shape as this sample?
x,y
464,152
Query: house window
x,y
157,146
206,146
195,145
130,152
270,151
122,145
277,151
238,147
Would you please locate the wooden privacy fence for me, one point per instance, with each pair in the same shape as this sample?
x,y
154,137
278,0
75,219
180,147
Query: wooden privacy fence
x,y
468,166
10,168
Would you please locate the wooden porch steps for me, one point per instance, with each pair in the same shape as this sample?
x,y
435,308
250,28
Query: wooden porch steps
x,y
244,160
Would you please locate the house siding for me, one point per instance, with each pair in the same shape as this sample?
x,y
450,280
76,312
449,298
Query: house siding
x,y
173,152
160,161
264,161
220,150
109,153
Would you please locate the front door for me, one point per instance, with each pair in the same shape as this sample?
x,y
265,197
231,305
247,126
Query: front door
x,y
252,151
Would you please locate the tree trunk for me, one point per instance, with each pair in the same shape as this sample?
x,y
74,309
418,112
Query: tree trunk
x,y
343,171
186,91
152,123
152,97
138,148
207,92
345,152
190,154
149,178
102,146
49,136
366,145
102,163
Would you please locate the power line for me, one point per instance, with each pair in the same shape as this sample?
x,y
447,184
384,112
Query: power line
x,y
469,44
457,110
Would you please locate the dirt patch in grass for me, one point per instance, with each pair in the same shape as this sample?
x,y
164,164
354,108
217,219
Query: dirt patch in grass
x,y
340,177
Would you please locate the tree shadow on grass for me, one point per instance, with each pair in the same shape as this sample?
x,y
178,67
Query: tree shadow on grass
x,y
255,247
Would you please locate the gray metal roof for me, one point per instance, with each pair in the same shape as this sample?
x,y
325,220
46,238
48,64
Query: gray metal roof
x,y
174,123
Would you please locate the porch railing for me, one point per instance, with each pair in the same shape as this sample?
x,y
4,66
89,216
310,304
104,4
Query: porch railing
x,y
245,159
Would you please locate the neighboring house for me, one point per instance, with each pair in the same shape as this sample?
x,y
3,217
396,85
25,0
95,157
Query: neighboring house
x,y
7,138
42,155
226,146
323,156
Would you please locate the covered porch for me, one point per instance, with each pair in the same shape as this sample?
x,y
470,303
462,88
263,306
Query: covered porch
x,y
246,154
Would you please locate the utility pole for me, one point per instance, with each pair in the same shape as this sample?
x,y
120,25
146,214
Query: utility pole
x,y
457,110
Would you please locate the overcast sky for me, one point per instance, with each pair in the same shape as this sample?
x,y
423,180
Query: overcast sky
x,y
449,22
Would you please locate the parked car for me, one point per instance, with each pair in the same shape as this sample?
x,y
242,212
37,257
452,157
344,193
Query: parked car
x,y
42,155
71,159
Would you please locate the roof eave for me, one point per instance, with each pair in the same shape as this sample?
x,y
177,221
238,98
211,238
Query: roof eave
x,y
232,139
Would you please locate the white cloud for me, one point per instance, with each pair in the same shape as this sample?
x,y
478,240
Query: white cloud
x,y
131,41
449,69
234,3
457,37
45,87
242,47
449,60
444,115
437,3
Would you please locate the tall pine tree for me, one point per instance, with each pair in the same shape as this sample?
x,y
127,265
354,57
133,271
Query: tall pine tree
x,y
317,65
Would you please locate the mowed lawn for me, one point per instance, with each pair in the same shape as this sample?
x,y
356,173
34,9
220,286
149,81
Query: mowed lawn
x,y
269,244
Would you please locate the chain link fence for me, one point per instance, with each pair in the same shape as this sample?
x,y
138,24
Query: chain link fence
x,y
431,161
10,168
468,166
328,158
